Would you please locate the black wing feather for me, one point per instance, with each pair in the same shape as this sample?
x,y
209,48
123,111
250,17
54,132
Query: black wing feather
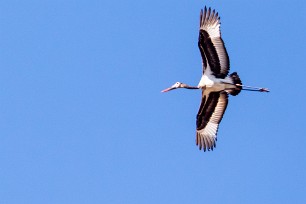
x,y
210,114
211,45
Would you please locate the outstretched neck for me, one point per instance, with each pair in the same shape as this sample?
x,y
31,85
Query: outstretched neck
x,y
186,86
191,87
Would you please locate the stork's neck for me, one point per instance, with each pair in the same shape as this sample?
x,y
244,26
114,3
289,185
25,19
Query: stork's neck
x,y
186,86
192,87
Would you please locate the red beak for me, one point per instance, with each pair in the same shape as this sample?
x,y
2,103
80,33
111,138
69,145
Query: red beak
x,y
168,89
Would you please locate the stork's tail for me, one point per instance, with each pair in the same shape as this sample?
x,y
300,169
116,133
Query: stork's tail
x,y
236,80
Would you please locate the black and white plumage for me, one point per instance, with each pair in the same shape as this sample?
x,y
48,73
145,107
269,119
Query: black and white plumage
x,y
210,114
215,83
213,52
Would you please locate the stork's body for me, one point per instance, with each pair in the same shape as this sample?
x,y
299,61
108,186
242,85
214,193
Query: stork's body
x,y
215,82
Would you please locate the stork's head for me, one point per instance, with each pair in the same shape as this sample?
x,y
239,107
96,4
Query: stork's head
x,y
175,86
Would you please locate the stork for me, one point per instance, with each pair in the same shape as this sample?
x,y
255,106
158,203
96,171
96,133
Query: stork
x,y
215,82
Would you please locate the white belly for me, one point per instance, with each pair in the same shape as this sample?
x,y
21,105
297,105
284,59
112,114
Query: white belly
x,y
216,84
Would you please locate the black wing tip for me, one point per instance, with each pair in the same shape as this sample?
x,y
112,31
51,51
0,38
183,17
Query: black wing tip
x,y
204,144
207,14
209,10
207,148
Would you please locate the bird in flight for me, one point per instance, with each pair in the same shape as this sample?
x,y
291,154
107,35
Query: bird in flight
x,y
215,82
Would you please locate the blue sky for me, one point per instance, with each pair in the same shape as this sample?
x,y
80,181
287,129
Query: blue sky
x,y
82,119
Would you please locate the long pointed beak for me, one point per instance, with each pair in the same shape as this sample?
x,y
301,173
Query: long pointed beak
x,y
168,89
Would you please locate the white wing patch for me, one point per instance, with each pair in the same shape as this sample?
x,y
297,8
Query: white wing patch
x,y
211,24
222,54
208,135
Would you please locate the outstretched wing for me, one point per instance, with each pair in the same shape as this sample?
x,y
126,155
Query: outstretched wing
x,y
210,114
214,56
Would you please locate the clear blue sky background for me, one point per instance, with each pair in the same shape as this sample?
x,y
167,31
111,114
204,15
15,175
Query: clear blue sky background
x,y
82,119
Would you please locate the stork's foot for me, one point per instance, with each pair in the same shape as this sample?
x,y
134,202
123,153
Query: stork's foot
x,y
264,90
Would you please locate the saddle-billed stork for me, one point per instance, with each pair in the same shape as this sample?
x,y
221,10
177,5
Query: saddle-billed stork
x,y
215,83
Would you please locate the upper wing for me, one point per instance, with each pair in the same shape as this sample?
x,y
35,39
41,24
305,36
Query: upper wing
x,y
210,114
211,45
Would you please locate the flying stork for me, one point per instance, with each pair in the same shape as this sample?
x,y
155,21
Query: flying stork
x,y
215,83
